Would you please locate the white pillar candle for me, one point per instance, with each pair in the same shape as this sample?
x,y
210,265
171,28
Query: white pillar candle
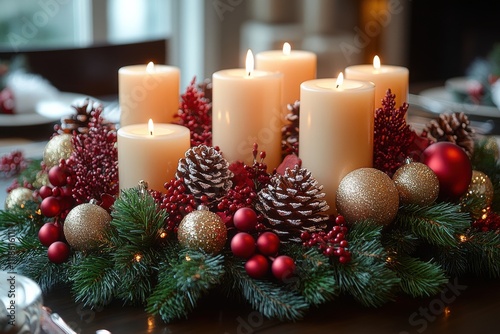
x,y
297,66
336,130
246,108
150,153
384,77
148,91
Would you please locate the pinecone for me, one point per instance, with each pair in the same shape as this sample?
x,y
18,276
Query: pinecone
x,y
293,203
205,172
78,122
290,132
454,128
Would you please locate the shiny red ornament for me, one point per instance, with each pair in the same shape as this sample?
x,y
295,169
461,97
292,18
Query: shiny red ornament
x,y
283,267
45,191
58,252
50,207
257,266
268,243
58,175
49,233
452,167
243,245
245,219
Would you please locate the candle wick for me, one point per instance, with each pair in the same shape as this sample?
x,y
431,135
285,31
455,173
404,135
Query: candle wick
x,y
249,73
337,86
151,133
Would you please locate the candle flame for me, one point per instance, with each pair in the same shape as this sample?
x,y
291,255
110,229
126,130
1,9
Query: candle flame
x,y
150,68
150,127
249,62
287,48
376,62
340,80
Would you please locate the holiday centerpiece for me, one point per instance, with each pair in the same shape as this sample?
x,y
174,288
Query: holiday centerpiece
x,y
425,212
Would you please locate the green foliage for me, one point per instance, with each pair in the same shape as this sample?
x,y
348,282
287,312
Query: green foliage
x,y
483,250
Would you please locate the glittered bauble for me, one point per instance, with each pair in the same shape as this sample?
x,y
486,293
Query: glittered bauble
x,y
257,266
480,192
268,243
59,147
367,194
202,229
243,245
491,146
283,267
416,184
452,167
49,233
58,252
50,206
245,219
85,226
18,197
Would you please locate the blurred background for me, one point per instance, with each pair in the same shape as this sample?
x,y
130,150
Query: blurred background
x,y
79,40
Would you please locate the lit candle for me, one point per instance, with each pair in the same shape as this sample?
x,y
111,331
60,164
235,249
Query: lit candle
x,y
246,106
336,130
148,91
151,153
384,77
297,66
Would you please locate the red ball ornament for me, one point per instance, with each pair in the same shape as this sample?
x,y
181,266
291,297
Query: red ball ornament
x,y
49,233
45,191
58,176
452,167
243,245
257,266
283,267
245,219
58,252
268,243
50,207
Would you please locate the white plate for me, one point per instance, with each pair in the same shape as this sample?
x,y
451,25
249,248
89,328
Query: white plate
x,y
440,100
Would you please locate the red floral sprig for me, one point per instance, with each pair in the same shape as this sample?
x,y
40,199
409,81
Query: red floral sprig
x,y
490,222
12,164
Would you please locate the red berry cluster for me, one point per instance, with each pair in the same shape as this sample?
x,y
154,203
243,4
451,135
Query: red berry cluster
x,y
51,235
57,198
261,252
12,163
332,243
490,222
7,102
238,197
177,202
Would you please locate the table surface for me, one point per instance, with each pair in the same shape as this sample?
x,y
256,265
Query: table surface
x,y
466,306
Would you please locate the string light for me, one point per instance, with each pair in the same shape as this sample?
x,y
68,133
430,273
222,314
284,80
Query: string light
x,y
137,257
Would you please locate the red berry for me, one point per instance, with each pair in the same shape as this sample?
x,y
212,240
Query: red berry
x,y
45,191
243,245
257,266
50,207
245,219
268,243
58,176
283,267
58,252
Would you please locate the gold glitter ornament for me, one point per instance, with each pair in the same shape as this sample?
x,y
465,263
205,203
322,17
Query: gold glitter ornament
x,y
367,194
85,226
491,146
416,184
480,192
59,147
17,197
202,229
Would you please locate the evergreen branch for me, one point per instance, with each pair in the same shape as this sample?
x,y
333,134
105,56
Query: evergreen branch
x,y
400,241
483,250
437,224
183,279
453,260
30,173
366,277
270,299
418,278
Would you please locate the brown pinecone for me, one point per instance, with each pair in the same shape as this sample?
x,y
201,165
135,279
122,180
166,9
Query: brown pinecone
x,y
78,122
293,203
205,172
290,132
454,128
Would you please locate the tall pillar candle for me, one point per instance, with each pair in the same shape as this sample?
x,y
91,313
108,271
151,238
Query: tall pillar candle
x,y
150,153
148,91
297,66
336,130
246,108
384,77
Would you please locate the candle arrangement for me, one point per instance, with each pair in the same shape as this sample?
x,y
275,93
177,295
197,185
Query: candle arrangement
x,y
159,215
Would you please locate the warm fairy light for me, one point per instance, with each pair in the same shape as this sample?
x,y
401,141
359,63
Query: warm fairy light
x,y
376,62
287,48
463,238
150,68
163,235
151,127
137,257
447,311
249,64
151,324
340,80
188,258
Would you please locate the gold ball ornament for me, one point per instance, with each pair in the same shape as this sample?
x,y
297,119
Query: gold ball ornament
x,y
202,229
416,184
59,147
17,198
85,226
491,146
480,192
367,194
